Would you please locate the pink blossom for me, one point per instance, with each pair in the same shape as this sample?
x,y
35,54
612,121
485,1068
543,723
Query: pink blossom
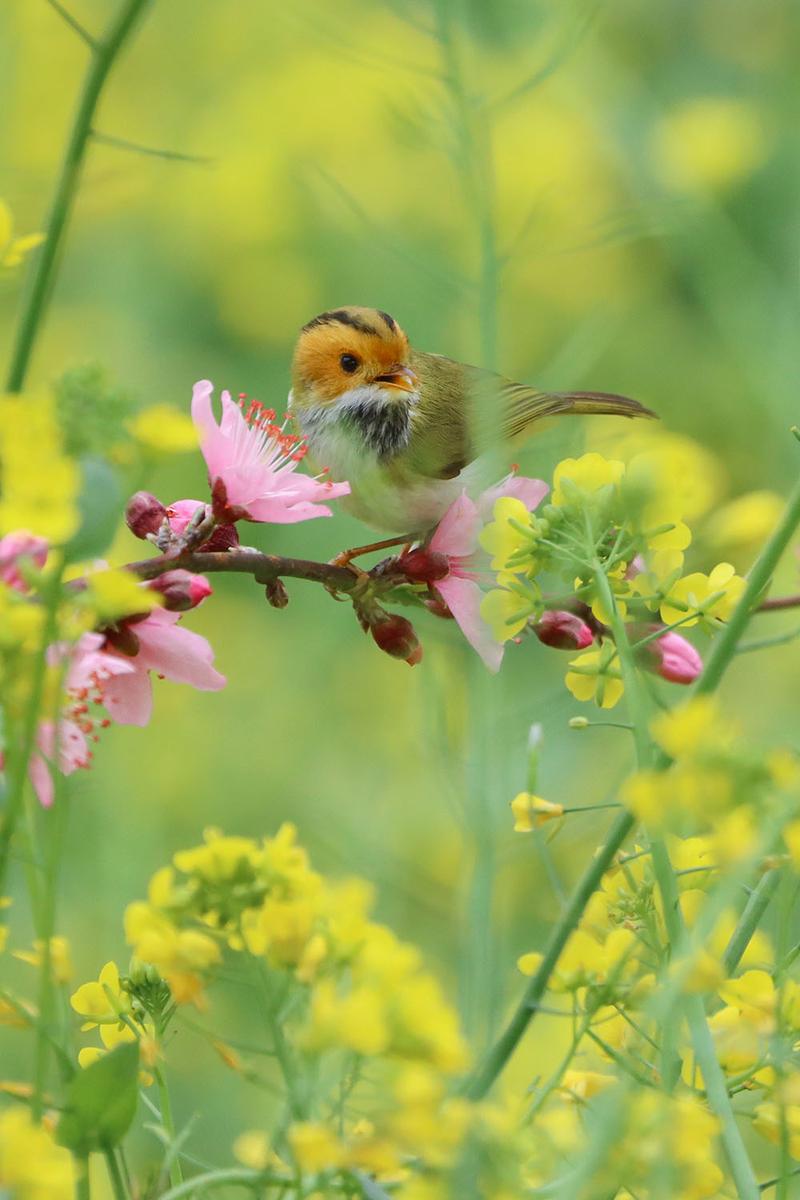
x,y
87,674
672,657
16,546
456,536
165,647
252,464
181,512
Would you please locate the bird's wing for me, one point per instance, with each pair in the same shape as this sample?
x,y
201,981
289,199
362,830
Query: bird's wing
x,y
474,410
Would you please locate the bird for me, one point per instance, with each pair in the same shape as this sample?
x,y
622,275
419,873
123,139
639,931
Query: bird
x,y
409,429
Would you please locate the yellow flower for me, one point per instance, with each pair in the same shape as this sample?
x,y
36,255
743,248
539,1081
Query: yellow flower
x,y
60,958
40,484
314,1146
693,727
252,1149
703,973
510,538
163,429
745,521
530,812
32,1166
13,250
119,593
769,1122
596,676
529,963
708,142
506,612
711,596
753,995
583,1085
181,955
101,1002
589,473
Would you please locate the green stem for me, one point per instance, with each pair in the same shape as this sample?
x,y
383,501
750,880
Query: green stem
x,y
702,1041
724,647
115,1175
757,903
104,52
18,762
167,1120
495,1060
83,1187
240,1176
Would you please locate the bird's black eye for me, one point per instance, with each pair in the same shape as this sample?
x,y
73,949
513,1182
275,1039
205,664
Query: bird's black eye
x,y
349,363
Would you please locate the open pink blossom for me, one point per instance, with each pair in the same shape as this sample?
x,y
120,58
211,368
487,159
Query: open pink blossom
x,y
165,647
252,464
456,536
14,547
89,670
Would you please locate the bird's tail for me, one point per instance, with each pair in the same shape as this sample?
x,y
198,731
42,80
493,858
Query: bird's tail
x,y
526,405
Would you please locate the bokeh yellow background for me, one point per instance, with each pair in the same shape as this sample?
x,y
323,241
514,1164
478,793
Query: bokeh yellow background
x,y
642,168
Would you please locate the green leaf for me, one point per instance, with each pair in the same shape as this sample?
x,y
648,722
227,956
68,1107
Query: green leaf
x,y
101,1102
100,505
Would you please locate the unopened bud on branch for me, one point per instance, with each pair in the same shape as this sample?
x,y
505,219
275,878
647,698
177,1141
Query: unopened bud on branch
x,y
181,589
276,593
563,631
144,513
396,636
425,566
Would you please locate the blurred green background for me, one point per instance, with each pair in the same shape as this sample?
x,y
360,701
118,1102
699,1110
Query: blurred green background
x,y
641,173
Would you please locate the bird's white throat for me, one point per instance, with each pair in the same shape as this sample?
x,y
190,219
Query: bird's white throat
x,y
372,419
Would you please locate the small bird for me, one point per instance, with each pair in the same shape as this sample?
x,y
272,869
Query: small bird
x,y
408,429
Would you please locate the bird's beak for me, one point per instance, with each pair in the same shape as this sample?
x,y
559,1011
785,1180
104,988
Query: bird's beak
x,y
400,377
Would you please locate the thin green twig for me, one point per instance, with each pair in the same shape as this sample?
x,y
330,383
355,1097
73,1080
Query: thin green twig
x,y
105,51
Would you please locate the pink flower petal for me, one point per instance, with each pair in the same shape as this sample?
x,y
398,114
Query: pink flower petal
x,y
252,466
530,491
457,533
41,780
463,598
129,698
177,653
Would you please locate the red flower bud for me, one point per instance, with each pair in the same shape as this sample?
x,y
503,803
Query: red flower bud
x,y
144,514
181,589
396,636
425,566
563,631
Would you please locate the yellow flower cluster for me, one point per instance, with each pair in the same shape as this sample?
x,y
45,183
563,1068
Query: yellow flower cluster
x,y
712,782
32,1166
40,483
419,1124
626,521
369,991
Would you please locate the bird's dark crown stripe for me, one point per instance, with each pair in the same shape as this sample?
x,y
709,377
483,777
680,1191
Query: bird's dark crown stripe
x,y
390,321
340,316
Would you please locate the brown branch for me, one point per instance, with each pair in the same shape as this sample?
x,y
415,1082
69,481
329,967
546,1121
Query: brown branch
x,y
778,603
263,567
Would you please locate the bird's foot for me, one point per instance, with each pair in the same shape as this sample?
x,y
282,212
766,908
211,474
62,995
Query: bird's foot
x,y
345,558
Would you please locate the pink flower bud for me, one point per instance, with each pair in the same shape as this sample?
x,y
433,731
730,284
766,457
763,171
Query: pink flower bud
x,y
181,512
563,631
16,546
424,565
396,636
672,657
144,514
181,589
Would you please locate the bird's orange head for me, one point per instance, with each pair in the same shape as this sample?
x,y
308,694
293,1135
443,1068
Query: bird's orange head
x,y
350,351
